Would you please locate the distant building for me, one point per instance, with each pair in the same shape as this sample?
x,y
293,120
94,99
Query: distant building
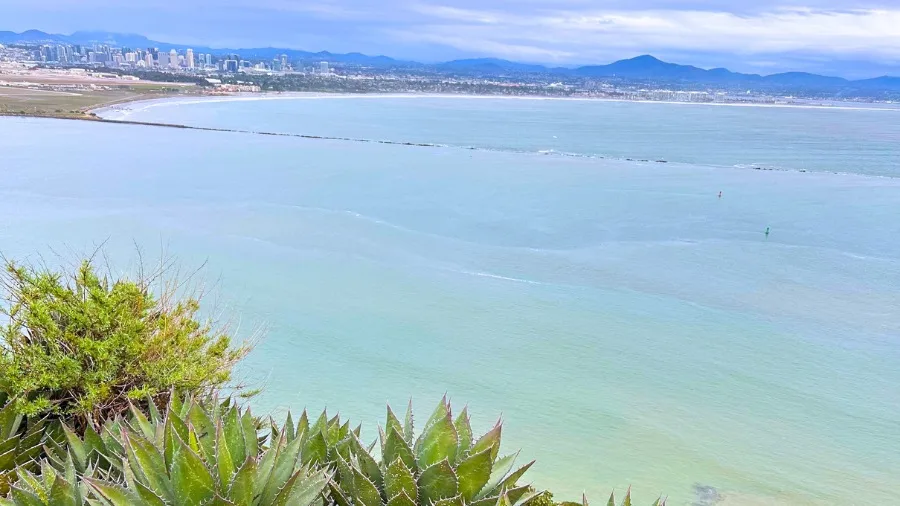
x,y
163,60
284,62
208,59
148,60
189,59
323,67
231,66
173,58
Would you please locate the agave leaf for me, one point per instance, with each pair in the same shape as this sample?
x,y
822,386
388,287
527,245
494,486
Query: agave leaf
x,y
367,463
191,480
92,442
241,488
396,448
205,430
364,490
612,499
220,501
250,436
76,448
401,500
303,425
486,501
510,481
440,412
225,466
149,497
141,421
176,430
321,424
515,494
499,471
439,442
285,462
62,493
437,482
315,450
234,436
464,431
393,421
627,500
490,440
155,416
400,479
25,498
301,490
10,421
116,495
148,466
408,424
474,473
289,428
337,495
451,501
266,464
656,502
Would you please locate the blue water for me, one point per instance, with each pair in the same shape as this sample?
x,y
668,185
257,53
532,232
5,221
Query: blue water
x,y
630,326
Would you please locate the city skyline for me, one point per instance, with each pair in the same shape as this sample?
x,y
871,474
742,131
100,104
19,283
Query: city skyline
x,y
843,37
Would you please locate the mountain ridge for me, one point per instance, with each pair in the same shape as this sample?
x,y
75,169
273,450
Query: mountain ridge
x,y
640,68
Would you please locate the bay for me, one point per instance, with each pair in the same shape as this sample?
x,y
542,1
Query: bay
x,y
630,326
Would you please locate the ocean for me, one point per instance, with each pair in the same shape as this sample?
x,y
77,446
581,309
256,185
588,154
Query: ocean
x,y
629,325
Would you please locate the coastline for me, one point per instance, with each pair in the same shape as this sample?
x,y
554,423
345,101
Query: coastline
x,y
270,95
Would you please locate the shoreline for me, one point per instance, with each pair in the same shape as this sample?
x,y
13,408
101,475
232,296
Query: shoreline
x,y
290,95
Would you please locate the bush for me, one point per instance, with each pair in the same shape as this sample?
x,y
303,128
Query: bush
x,y
80,347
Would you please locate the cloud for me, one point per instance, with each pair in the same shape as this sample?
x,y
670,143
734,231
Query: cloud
x,y
589,34
799,34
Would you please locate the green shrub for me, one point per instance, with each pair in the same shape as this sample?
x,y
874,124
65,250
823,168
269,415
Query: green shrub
x,y
81,347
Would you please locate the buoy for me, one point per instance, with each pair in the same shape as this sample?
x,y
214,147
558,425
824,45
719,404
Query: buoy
x,y
767,231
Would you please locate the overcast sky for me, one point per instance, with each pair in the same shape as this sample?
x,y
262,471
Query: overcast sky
x,y
761,35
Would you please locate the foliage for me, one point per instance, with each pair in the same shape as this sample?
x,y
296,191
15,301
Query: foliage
x,y
81,347
444,466
196,453
21,443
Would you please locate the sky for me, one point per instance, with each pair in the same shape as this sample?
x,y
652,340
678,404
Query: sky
x,y
854,38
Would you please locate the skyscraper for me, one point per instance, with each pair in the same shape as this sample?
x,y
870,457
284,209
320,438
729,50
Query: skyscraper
x,y
323,67
208,59
189,59
173,58
163,60
148,60
284,65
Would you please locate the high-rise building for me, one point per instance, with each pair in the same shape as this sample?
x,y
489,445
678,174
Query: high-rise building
x,y
173,58
148,60
231,65
284,62
323,67
163,60
189,59
208,59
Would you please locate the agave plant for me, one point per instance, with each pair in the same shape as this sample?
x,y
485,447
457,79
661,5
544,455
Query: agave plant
x,y
195,454
21,443
444,466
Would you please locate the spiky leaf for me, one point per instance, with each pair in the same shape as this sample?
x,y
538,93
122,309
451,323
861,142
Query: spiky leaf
x,y
400,479
437,482
473,473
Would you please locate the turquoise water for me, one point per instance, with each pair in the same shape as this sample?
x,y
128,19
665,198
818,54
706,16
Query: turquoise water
x,y
630,326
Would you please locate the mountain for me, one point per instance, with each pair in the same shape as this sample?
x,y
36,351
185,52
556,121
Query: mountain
x,y
641,68
489,65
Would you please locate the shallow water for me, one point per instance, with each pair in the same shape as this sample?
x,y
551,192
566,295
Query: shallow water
x,y
630,326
